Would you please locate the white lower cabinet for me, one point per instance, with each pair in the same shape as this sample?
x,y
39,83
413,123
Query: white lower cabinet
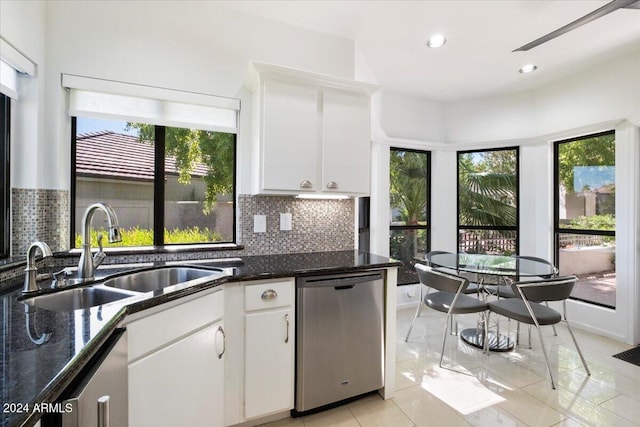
x,y
259,377
176,365
186,368
268,377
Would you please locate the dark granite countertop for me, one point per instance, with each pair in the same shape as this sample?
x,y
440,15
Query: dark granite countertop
x,y
34,372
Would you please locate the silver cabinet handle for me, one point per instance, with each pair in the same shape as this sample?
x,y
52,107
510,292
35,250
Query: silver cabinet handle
x,y
332,185
103,411
269,294
306,184
224,341
286,319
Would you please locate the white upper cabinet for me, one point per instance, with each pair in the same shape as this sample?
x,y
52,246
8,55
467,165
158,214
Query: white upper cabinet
x,y
311,132
346,146
289,137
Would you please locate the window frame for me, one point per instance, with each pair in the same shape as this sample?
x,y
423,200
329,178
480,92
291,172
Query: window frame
x,y
364,223
427,226
557,229
515,228
5,177
158,191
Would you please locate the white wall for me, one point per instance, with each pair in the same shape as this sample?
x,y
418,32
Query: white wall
x,y
603,94
190,46
409,117
22,24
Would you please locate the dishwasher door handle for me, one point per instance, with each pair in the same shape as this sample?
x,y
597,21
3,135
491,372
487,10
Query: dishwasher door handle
x,y
341,288
103,411
340,281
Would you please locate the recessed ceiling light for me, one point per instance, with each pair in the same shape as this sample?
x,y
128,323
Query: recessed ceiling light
x,y
528,68
436,40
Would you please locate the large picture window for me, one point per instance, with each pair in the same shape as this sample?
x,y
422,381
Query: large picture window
x,y
5,187
488,201
410,209
585,215
168,185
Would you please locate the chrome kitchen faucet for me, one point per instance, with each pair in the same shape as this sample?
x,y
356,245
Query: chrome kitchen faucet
x,y
31,276
88,263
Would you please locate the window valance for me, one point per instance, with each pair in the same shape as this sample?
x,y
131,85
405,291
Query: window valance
x,y
107,99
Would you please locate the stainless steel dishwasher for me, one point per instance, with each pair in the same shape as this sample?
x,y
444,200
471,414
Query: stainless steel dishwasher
x,y
98,396
339,338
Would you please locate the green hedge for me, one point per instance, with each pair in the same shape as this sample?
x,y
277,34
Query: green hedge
x,y
593,222
144,237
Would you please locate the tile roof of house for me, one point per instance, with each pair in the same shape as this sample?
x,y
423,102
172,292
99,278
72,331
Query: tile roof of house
x,y
113,155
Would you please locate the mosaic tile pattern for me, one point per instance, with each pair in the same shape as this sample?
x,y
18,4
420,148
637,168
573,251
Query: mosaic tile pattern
x,y
318,225
71,260
39,214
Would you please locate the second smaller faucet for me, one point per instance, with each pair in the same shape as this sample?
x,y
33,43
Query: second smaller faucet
x,y
88,263
31,276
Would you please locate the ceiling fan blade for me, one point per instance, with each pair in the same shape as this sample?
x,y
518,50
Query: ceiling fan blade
x,y
598,13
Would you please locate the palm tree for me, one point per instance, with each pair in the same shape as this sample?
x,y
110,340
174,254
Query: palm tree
x,y
487,193
486,198
408,200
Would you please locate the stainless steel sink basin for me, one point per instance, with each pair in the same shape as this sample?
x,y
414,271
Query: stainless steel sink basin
x,y
77,298
160,278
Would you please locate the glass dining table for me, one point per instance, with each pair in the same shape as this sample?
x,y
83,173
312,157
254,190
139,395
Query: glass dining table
x,y
486,265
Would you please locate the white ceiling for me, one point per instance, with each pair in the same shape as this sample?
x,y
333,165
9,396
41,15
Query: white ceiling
x,y
481,35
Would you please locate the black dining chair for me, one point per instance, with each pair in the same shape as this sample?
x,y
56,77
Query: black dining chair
x,y
526,308
449,298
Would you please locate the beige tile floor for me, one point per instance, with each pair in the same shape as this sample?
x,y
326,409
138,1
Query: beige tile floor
x,y
504,389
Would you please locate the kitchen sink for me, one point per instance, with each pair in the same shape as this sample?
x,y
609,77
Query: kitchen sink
x,y
75,299
160,278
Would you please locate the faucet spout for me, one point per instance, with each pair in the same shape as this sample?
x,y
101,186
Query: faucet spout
x,y
88,264
31,272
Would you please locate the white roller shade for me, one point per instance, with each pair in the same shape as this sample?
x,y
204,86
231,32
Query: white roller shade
x,y
12,62
8,80
145,104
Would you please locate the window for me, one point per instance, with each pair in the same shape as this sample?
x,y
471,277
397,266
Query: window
x,y
5,187
585,215
409,191
364,227
488,201
163,159
168,185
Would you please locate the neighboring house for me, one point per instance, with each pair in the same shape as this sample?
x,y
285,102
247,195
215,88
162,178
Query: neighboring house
x,y
119,169
599,201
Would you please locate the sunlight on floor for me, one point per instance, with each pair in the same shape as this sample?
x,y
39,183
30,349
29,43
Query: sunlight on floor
x,y
502,389
464,393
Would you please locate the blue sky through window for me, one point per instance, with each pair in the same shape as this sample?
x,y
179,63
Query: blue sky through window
x,y
87,125
592,177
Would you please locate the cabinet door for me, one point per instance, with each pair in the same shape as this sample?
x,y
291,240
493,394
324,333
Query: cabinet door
x,y
289,137
181,384
346,145
269,344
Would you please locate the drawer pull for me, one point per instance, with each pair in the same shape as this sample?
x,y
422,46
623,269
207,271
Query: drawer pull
x,y
306,184
286,319
269,295
332,185
224,341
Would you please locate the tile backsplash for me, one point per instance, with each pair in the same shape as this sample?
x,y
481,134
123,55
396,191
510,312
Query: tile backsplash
x,y
317,225
39,214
